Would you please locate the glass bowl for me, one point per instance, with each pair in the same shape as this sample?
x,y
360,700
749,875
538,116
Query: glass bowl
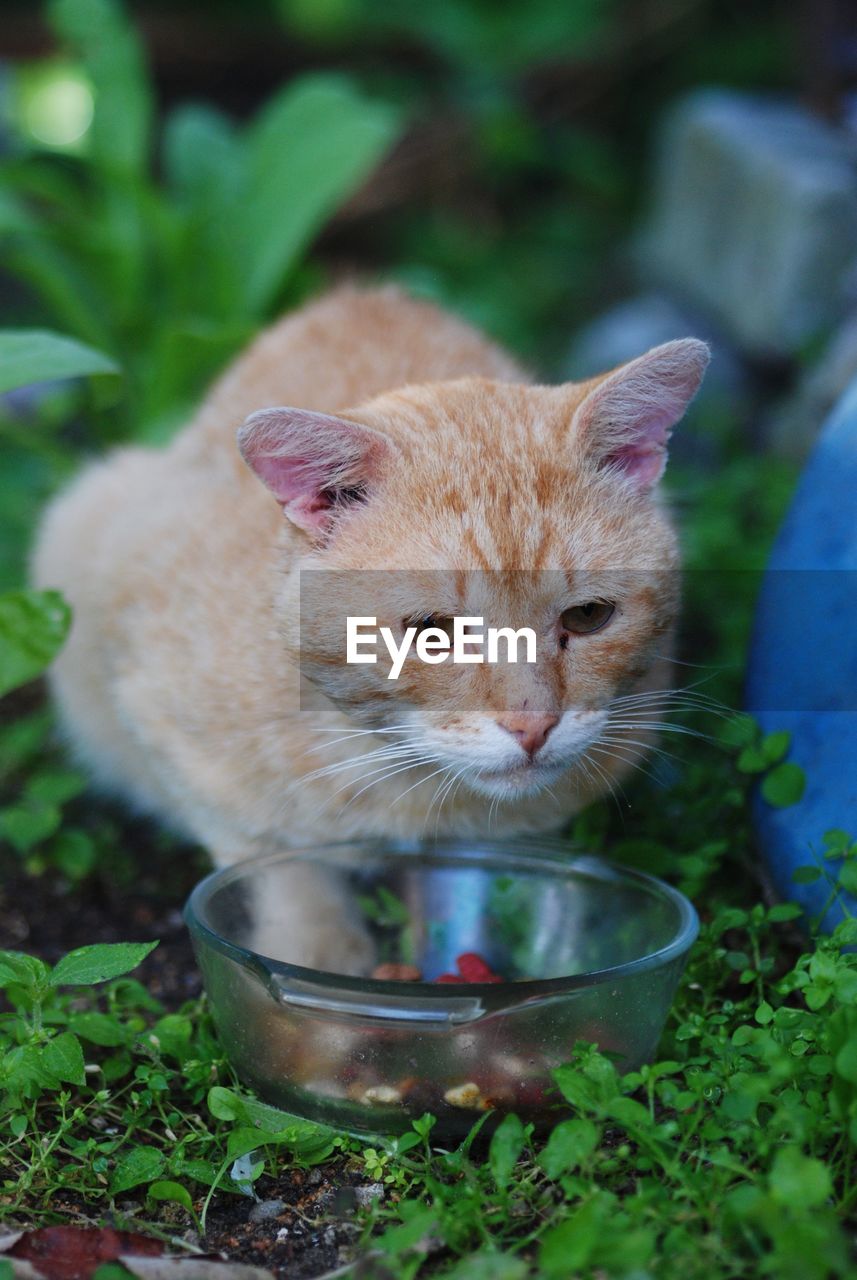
x,y
587,950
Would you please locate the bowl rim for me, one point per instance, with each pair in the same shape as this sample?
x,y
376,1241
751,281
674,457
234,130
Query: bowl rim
x,y
553,855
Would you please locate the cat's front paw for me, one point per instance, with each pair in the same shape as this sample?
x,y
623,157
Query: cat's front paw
x,y
327,945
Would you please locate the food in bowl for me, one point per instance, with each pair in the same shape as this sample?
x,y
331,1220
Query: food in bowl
x,y
535,947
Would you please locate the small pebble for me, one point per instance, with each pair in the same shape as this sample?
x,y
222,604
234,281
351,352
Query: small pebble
x,y
266,1209
381,1095
365,1195
468,1096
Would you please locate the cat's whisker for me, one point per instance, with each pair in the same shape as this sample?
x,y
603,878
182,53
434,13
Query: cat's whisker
x,y
640,724
452,791
441,794
669,703
446,772
346,735
389,766
688,691
644,746
586,761
392,774
350,737
354,762
699,666
612,754
418,783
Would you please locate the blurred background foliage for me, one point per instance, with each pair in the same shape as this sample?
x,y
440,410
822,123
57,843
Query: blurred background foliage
x,y
172,175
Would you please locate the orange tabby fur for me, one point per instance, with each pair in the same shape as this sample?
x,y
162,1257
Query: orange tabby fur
x,y
179,685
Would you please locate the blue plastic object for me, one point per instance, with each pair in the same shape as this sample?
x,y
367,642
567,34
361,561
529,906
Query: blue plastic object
x,y
803,665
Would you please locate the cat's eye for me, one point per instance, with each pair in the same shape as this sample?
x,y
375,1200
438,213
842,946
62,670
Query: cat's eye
x,y
583,619
428,620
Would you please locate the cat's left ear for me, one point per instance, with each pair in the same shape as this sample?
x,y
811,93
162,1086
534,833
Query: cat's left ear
x,y
625,422
314,463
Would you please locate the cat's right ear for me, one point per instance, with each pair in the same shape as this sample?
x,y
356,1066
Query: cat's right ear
x,y
313,463
625,422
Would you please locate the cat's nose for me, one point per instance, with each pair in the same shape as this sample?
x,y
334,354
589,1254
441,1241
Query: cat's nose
x,y
530,731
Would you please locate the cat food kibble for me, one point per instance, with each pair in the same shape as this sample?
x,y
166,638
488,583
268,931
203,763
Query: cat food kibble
x,y
396,973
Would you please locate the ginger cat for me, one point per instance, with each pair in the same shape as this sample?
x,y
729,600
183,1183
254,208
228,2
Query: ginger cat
x,y
179,686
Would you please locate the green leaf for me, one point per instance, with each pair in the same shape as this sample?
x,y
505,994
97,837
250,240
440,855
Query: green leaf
x,y
202,155
796,1179
56,786
242,1141
632,1115
26,825
98,1028
74,853
310,147
33,626
99,33
141,1164
784,785
63,1058
783,911
98,963
806,875
488,1264
739,730
173,1192
35,355
419,1221
568,1146
848,876
752,760
775,745
173,1033
226,1104
26,971
308,1142
567,1248
846,1060
505,1149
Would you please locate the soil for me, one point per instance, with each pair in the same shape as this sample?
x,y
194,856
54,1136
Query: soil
x,y
303,1224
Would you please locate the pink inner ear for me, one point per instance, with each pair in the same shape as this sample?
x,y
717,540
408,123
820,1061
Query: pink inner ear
x,y
645,466
293,481
626,421
305,458
645,457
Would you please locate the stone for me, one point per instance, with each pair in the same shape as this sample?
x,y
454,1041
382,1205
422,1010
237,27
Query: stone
x,y
366,1196
754,218
265,1209
802,673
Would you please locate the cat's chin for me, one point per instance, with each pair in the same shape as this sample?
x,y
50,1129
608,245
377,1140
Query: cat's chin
x,y
512,784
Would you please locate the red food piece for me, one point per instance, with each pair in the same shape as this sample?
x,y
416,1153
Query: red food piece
x,y
450,977
474,969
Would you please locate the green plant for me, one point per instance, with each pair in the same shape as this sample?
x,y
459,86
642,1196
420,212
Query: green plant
x,y
101,1091
169,275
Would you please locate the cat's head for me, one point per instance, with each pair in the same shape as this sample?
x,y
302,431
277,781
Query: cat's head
x,y
528,506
